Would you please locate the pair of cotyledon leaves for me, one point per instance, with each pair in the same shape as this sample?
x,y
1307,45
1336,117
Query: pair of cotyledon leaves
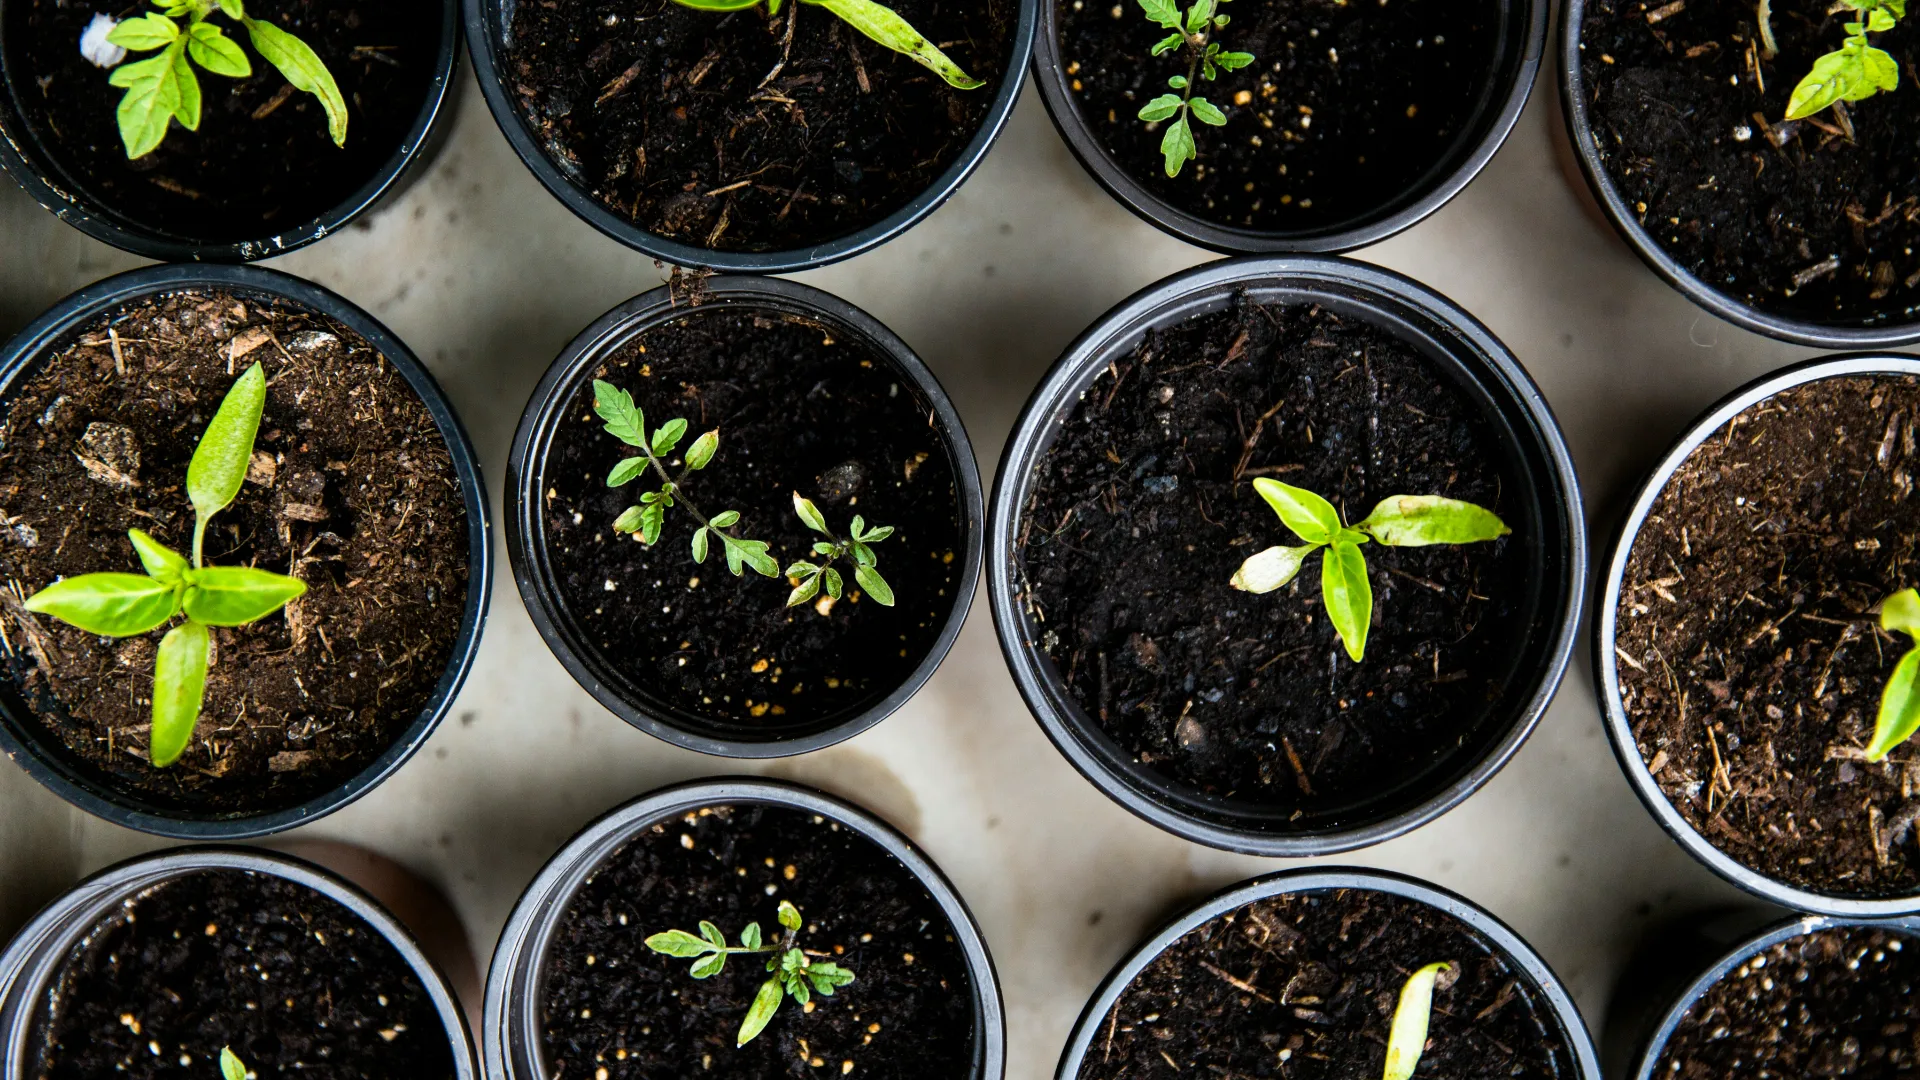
x,y
123,605
878,22
1399,521
794,973
164,88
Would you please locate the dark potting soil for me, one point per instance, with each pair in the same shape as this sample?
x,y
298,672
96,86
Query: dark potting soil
x,y
1345,108
294,983
609,1003
1790,217
1830,1003
1144,508
1750,660
262,161
352,491
799,407
1303,987
717,130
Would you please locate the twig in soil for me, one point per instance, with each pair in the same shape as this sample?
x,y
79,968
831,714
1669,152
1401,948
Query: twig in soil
x,y
1299,770
1246,448
1238,984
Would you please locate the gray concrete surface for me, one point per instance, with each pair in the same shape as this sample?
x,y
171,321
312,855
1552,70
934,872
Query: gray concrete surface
x,y
487,277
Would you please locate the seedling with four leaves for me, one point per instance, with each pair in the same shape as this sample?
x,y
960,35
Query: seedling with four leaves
x,y
1205,60
793,973
883,24
126,605
1407,1038
627,423
811,577
1856,70
163,88
1399,521
1900,700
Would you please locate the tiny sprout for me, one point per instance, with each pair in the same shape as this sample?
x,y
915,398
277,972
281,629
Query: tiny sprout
x,y
810,578
1205,60
1854,71
163,88
883,24
1900,701
1408,1037
627,423
126,605
793,973
1399,521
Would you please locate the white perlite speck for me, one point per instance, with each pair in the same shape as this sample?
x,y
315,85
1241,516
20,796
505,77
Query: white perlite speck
x,y
94,44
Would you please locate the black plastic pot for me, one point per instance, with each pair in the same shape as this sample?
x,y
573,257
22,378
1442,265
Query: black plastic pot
x,y
1522,41
1549,514
1574,101
489,27
532,565
1605,626
1087,1030
33,959
23,158
28,743
510,1042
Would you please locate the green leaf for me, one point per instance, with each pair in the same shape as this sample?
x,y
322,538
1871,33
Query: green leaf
x,y
113,605
1899,708
234,8
797,986
1347,595
667,436
179,685
712,933
1309,516
1838,75
304,69
1879,72
678,943
1408,1036
1177,145
831,578
1206,111
1178,82
1198,14
629,519
149,31
1170,42
700,544
231,1068
162,562
874,536
1901,612
750,937
821,547
702,450
1270,569
1879,21
862,554
218,53
809,514
1420,520
760,1013
238,595
188,111
754,554
788,915
885,26
651,518
152,98
1161,107
1163,13
876,586
827,977
708,966
624,420
219,464
1233,61
725,519
808,588
800,569
624,472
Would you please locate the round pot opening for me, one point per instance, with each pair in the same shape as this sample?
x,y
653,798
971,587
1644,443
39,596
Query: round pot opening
x,y
647,860
289,919
1782,800
1448,87
119,463
808,395
756,203
261,176
1773,225
1163,743
1275,956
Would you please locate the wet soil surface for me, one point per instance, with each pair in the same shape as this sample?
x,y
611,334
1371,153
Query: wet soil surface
x,y
799,407
611,1004
1792,218
1345,109
1831,1003
667,115
352,491
1303,987
262,162
1749,659
294,983
1144,508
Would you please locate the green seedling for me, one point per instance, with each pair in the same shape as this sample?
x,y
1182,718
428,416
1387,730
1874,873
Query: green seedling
x,y
810,577
1191,30
1407,1039
1856,70
126,605
1900,701
1399,521
792,973
627,423
163,88
231,1067
881,23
